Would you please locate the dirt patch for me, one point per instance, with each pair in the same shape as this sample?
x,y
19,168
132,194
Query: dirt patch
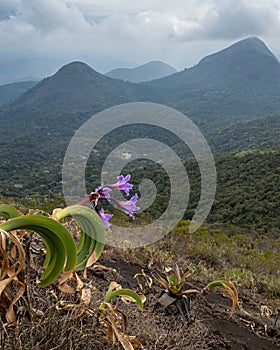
x,y
210,326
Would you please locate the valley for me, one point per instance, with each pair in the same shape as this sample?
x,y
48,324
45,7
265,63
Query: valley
x,y
233,96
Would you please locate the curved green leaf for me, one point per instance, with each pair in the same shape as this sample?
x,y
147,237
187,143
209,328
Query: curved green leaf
x,y
61,249
120,292
8,211
92,232
229,287
85,253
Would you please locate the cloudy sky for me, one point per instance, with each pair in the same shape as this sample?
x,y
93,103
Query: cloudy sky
x,y
39,36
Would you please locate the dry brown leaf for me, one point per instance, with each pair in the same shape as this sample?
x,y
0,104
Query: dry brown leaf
x,y
64,305
4,256
79,282
266,311
102,267
85,296
10,314
64,278
116,321
124,339
92,259
127,298
9,273
148,281
233,293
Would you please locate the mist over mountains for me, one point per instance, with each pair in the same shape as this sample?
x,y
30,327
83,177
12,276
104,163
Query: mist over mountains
x,y
233,94
146,72
239,83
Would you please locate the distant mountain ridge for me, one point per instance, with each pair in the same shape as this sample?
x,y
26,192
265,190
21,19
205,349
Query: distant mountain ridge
x,y
221,94
247,61
146,72
10,91
236,84
77,87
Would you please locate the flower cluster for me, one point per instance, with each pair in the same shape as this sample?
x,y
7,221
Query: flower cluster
x,y
102,192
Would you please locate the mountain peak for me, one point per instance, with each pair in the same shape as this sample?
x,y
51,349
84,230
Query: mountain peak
x,y
77,86
145,72
245,64
248,60
76,67
252,43
248,46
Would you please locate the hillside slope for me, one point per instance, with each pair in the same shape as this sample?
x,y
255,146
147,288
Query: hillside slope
x,y
10,91
38,125
148,71
247,61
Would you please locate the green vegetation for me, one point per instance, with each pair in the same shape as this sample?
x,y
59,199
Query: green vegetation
x,y
251,261
251,135
61,252
231,260
63,257
239,244
246,196
10,91
175,294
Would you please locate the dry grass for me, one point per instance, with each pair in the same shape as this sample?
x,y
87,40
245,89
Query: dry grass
x,y
49,319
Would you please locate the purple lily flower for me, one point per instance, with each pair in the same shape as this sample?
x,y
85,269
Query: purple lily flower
x,y
128,207
105,217
103,191
122,184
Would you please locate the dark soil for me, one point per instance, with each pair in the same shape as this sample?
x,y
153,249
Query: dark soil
x,y
210,326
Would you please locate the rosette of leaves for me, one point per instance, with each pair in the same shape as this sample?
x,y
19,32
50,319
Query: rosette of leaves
x,y
62,254
92,232
177,296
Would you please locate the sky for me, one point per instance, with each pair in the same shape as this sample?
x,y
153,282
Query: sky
x,y
37,37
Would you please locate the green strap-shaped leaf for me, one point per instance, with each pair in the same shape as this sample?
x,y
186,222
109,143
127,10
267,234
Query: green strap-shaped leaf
x,y
92,232
85,253
121,292
81,242
219,283
61,249
8,211
229,287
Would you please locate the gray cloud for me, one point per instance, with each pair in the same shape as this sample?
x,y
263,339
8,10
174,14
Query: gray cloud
x,y
48,16
244,18
8,9
105,32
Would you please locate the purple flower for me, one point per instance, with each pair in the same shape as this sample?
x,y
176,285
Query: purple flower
x,y
122,184
105,218
103,191
128,207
